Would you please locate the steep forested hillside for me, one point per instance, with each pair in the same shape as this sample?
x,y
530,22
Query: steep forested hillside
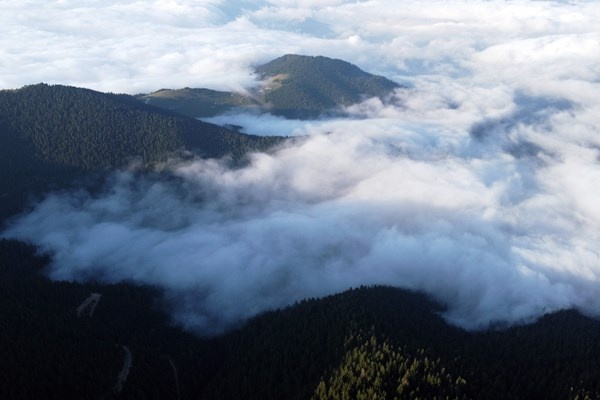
x,y
365,343
51,134
294,86
87,129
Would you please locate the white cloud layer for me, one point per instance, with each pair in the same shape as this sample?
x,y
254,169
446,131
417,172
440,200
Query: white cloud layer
x,y
132,46
477,185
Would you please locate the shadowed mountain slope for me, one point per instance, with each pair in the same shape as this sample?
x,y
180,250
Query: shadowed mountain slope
x,y
369,342
50,134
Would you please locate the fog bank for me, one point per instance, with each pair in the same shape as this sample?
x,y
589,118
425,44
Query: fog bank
x,y
499,222
477,183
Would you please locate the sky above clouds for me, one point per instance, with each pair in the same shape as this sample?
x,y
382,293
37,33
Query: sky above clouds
x,y
476,184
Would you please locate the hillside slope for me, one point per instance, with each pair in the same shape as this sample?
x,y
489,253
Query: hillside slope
x,y
362,343
87,129
198,103
305,86
293,86
50,134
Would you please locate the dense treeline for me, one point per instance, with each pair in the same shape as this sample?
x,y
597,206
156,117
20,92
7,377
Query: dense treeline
x,y
373,370
87,129
307,86
50,135
285,354
363,343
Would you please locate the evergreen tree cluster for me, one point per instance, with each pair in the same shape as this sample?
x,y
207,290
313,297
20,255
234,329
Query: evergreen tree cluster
x,y
86,129
51,135
374,370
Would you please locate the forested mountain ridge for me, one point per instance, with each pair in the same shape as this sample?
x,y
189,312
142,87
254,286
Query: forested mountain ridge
x,y
305,86
365,343
293,86
87,129
50,134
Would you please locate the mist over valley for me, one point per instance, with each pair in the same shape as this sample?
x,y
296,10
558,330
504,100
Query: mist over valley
x,y
369,182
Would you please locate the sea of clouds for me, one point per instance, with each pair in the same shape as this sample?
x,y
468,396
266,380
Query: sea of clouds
x,y
477,183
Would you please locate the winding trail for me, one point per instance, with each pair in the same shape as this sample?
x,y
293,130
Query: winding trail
x,y
176,375
89,305
122,377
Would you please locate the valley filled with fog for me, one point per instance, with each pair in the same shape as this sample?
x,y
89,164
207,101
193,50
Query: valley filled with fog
x,y
475,182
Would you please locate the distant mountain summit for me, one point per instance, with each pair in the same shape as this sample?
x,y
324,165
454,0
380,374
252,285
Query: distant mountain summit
x,y
304,86
293,86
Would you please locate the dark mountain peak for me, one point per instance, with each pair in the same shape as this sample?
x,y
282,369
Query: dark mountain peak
x,y
296,86
299,65
307,86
